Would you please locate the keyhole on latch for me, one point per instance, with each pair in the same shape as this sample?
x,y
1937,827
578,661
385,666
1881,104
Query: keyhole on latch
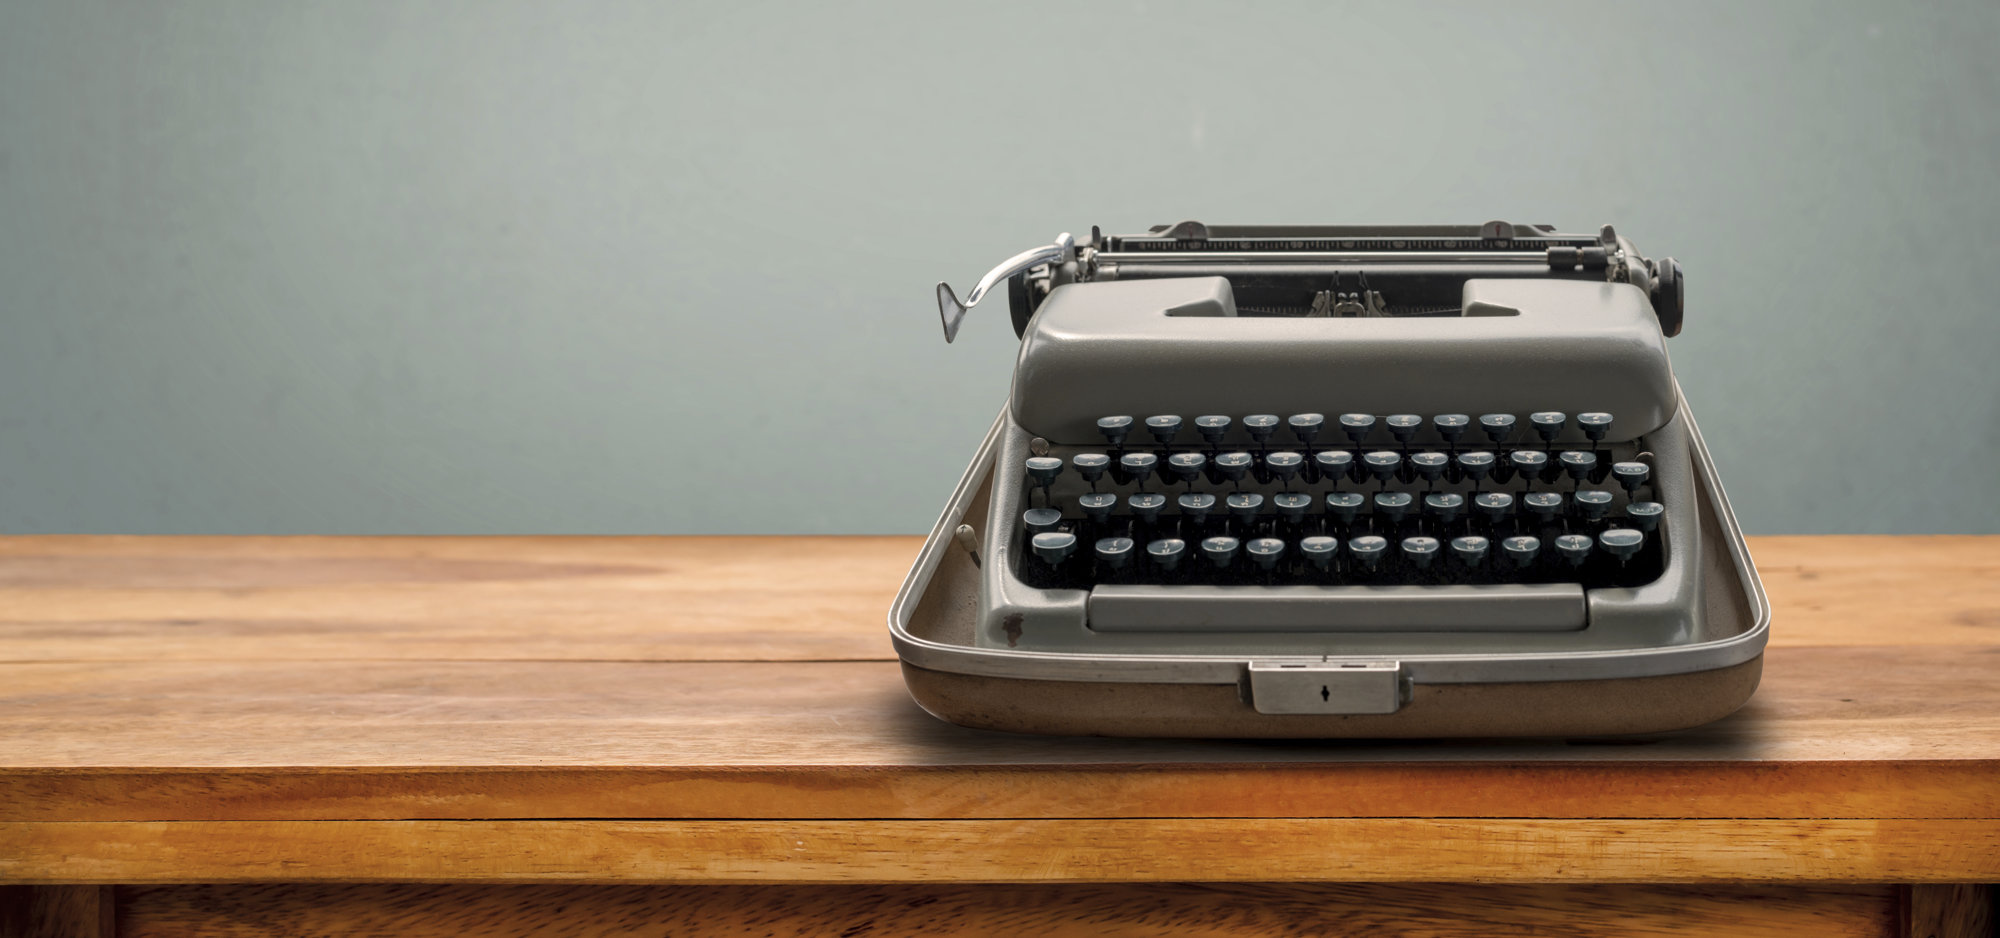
x,y
1324,693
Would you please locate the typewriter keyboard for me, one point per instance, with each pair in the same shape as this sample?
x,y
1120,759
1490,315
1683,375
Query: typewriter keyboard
x,y
1349,499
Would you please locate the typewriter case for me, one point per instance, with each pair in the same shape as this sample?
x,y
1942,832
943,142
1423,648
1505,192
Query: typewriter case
x,y
1425,683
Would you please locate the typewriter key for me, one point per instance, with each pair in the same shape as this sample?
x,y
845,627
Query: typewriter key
x,y
1476,466
1645,515
1420,551
1368,550
1319,551
1543,506
1186,467
1522,550
1470,550
1233,466
1041,520
1356,426
1212,428
1090,466
1043,470
1430,466
1591,504
1220,550
1548,424
1245,506
1146,506
1443,506
1493,506
1382,464
1306,427
1284,466
1622,543
1097,506
1260,427
1053,547
1404,427
1630,475
1344,507
1450,427
1528,464
1334,464
1595,426
1292,505
1266,551
1138,466
1393,505
1575,548
1163,429
1195,506
1166,552
1578,464
1498,427
1114,552
1114,429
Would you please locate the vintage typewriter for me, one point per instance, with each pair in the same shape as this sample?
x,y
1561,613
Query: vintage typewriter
x,y
1336,481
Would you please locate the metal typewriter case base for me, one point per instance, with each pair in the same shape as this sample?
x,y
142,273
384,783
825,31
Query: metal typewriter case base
x,y
1263,691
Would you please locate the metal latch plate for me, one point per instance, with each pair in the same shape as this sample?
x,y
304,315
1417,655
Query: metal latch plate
x,y
1326,687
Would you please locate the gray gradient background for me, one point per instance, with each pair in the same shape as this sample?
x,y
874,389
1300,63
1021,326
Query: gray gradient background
x,y
646,267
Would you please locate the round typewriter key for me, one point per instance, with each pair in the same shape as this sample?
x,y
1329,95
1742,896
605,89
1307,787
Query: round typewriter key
x,y
1645,515
1430,466
1306,427
1443,506
1450,427
1382,464
1470,550
1284,466
1334,464
1090,466
1498,427
1522,550
1420,551
1393,505
1245,506
1053,547
1186,467
1260,427
1292,505
1591,504
1631,475
1528,464
1041,520
1344,507
1622,543
1575,548
1233,466
1319,551
1166,553
1356,426
1146,506
1543,506
1163,428
1368,550
1114,552
1114,429
1578,464
1493,506
1139,466
1595,426
1404,427
1548,424
1097,505
1195,506
1220,550
1266,551
1044,469
1476,466
1212,427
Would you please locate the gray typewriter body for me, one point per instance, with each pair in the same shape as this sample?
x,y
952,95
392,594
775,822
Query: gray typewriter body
x,y
1325,482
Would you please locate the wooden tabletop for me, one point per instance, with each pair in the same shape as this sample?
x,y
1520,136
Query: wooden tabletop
x,y
729,709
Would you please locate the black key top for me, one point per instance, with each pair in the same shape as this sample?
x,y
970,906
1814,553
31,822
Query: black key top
x,y
1245,506
1404,427
1114,429
1260,427
1266,551
1498,427
1139,466
1334,464
1186,467
1430,466
1212,428
1284,466
1146,506
1356,426
1166,552
1041,520
1450,427
1097,505
1522,550
1548,424
1631,475
1575,548
1292,505
1383,464
1622,543
1542,506
1493,506
1053,547
1476,466
1470,550
1319,551
1578,464
1443,507
1043,470
1344,507
1163,428
1595,426
1393,505
1529,464
1195,506
1420,551
1368,550
1090,466
1114,552
1306,427
1234,466
1591,504
1645,515
1220,551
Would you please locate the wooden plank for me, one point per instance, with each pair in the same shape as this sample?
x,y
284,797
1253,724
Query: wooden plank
x,y
1949,911
1472,850
56,912
1177,910
66,598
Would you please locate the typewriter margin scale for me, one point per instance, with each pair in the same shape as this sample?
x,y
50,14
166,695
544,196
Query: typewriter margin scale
x,y
1302,683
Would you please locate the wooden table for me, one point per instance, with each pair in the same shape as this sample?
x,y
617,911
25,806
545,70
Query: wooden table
x,y
582,736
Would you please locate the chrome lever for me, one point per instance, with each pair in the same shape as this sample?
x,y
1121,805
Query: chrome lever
x,y
952,312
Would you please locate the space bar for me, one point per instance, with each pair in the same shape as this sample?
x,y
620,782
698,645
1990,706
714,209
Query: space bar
x,y
1525,607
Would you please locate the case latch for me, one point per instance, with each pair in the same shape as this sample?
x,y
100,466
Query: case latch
x,y
1326,686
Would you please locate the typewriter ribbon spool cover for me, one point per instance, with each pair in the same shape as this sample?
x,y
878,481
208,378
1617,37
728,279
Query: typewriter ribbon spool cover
x,y
1335,482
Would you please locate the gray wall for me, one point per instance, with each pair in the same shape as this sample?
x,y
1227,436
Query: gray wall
x,y
649,267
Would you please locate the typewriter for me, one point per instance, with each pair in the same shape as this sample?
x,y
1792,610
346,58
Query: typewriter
x,y
1335,482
